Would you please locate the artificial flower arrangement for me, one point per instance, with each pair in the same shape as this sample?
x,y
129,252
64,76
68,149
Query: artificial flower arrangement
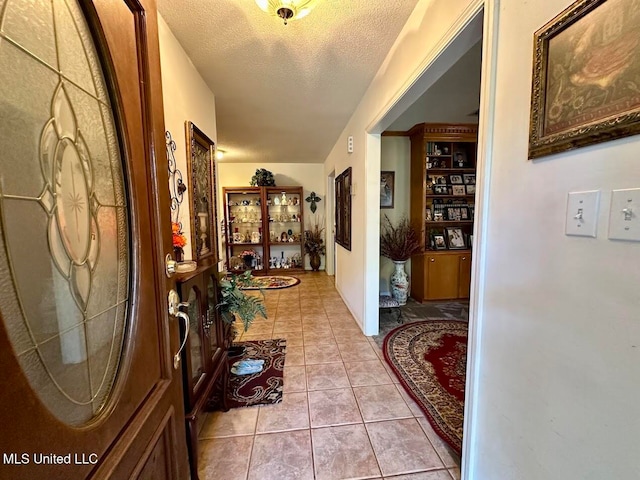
x,y
179,240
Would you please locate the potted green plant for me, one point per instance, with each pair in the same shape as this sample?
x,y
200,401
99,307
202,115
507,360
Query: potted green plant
x,y
398,243
237,304
263,178
314,244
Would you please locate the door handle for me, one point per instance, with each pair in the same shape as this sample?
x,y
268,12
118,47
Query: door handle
x,y
174,309
185,318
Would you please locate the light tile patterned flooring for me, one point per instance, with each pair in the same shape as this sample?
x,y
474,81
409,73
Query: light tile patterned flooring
x,y
343,414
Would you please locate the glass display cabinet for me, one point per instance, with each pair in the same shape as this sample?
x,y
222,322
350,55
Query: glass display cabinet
x,y
286,228
264,229
244,218
205,368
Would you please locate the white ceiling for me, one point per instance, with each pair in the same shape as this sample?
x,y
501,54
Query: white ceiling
x,y
285,93
452,98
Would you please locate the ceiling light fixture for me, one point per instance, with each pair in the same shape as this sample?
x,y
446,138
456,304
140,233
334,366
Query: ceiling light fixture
x,y
219,154
287,9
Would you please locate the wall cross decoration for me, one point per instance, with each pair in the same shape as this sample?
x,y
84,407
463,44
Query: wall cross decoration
x,y
313,199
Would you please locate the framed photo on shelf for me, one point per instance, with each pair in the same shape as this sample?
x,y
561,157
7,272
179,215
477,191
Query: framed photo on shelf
x,y
455,238
441,190
454,213
469,178
387,184
428,217
438,216
471,189
460,159
585,77
439,179
455,179
439,242
458,190
464,213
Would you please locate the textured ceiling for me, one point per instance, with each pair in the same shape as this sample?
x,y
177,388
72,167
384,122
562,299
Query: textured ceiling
x,y
285,93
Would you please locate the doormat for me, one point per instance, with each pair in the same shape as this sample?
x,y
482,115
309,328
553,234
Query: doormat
x,y
261,388
430,359
270,282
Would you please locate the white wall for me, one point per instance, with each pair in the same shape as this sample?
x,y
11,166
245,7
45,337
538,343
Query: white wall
x,y
186,97
357,277
310,176
559,390
396,157
558,395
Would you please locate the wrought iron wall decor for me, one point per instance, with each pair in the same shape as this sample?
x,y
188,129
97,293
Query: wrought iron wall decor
x,y
176,185
313,199
202,188
343,209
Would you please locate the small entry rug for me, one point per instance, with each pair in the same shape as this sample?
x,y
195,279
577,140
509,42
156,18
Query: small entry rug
x,y
261,388
430,359
271,282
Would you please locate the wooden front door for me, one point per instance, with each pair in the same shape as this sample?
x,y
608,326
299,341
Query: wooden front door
x,y
88,389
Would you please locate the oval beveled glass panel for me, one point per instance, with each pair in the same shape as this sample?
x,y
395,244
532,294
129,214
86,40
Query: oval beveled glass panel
x,y
64,239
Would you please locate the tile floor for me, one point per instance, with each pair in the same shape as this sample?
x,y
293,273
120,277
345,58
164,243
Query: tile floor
x,y
343,414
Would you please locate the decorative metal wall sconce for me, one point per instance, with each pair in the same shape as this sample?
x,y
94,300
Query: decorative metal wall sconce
x,y
176,185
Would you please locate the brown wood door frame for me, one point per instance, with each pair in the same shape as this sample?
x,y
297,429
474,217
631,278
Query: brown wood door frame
x,y
142,433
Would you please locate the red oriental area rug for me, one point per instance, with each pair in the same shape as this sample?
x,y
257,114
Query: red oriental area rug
x,y
261,388
430,359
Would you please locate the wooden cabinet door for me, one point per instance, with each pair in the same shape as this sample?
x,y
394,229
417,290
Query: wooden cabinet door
x,y
88,387
443,273
464,286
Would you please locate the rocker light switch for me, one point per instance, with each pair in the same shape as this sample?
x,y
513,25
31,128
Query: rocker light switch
x,y
624,218
582,213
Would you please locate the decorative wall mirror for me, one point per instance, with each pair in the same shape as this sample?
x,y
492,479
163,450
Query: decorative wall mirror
x,y
200,164
343,209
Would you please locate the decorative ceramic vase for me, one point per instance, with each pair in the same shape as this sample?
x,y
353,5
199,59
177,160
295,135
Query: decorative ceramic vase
x,y
314,260
202,216
400,283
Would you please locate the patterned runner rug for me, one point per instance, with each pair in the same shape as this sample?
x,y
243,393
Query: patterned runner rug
x,y
430,359
270,282
264,387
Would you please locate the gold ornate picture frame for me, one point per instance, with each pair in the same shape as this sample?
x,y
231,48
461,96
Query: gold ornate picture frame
x,y
586,77
202,193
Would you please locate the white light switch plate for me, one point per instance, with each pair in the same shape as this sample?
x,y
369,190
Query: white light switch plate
x,y
582,213
624,218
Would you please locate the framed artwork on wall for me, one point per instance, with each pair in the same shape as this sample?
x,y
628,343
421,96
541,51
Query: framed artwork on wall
x,y
586,77
387,185
343,209
202,185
